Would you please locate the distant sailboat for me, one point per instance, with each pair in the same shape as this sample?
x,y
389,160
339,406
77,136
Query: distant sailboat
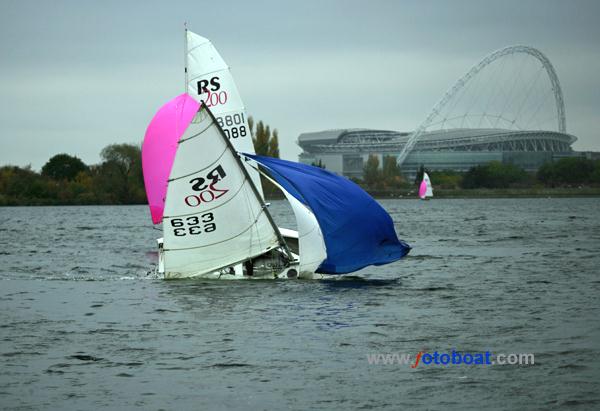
x,y
425,189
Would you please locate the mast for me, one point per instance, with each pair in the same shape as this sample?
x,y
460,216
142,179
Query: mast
x,y
185,55
254,189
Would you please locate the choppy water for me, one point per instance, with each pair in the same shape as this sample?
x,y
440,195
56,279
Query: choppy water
x,y
83,327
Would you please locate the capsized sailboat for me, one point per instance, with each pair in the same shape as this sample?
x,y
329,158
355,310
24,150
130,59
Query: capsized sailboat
x,y
214,219
425,189
217,225
211,205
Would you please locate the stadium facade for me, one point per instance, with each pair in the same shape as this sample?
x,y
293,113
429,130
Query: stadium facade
x,y
346,151
516,105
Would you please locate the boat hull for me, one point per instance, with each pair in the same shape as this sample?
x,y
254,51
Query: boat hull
x,y
271,266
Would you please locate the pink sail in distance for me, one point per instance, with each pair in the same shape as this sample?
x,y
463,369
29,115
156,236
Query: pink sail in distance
x,y
422,189
160,146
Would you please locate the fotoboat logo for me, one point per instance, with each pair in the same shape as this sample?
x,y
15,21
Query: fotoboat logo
x,y
423,358
206,189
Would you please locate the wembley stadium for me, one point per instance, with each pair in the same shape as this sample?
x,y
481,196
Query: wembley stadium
x,y
346,151
509,107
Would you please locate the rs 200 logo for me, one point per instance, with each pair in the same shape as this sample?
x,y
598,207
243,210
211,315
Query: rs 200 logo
x,y
203,85
205,186
212,88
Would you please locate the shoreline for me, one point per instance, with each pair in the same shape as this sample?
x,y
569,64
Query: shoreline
x,y
390,194
493,193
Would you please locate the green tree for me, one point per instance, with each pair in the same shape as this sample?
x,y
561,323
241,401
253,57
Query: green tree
x,y
494,175
251,123
265,144
23,186
119,178
595,175
419,176
261,140
371,172
390,174
447,179
274,144
63,167
568,171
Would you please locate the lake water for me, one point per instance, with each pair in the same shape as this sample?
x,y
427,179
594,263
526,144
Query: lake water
x,y
83,325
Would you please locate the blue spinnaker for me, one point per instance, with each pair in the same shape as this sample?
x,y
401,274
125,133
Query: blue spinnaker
x,y
357,231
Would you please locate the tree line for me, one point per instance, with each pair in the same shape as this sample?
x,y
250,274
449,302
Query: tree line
x,y
566,172
117,179
65,179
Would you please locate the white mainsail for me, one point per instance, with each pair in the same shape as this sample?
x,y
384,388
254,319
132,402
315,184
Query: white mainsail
x,y
429,192
209,79
213,218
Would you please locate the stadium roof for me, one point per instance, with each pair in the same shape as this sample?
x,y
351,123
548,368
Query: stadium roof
x,y
464,139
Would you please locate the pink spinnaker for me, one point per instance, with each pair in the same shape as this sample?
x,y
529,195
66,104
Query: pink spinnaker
x,y
422,189
160,146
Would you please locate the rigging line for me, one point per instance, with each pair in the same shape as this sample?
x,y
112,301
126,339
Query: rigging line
x,y
462,92
258,196
497,84
503,96
473,100
539,99
525,91
198,45
459,97
276,184
289,182
242,110
532,85
251,211
539,107
494,81
202,169
512,86
193,136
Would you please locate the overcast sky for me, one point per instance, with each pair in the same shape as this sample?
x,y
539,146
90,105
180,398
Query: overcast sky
x,y
76,76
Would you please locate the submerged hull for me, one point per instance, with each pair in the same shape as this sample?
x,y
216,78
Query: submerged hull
x,y
270,266
288,273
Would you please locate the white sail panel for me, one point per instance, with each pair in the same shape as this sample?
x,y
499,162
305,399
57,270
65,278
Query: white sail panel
x,y
209,79
429,192
312,251
310,237
212,218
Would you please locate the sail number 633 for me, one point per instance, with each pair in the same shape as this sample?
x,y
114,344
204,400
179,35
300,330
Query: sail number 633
x,y
193,225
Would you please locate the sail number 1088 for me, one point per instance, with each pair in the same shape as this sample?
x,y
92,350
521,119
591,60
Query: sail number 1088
x,y
234,125
193,225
